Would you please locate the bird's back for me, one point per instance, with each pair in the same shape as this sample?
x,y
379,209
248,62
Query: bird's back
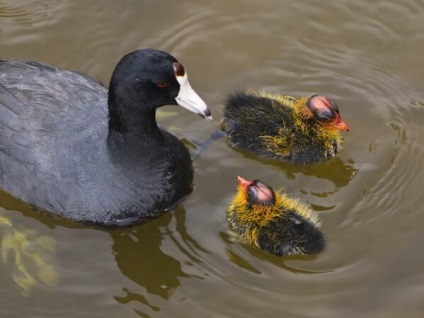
x,y
249,116
53,129
291,234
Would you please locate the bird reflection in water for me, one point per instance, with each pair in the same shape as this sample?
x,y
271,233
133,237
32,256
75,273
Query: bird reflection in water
x,y
139,256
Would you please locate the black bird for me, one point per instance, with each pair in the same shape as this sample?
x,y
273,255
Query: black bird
x,y
71,147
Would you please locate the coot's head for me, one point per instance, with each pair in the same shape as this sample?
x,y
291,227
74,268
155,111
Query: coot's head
x,y
326,111
256,192
150,79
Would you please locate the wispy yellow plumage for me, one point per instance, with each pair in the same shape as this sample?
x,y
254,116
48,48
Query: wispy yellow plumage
x,y
273,221
300,130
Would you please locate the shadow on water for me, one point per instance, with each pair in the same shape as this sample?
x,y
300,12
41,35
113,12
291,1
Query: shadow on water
x,y
339,172
139,256
133,251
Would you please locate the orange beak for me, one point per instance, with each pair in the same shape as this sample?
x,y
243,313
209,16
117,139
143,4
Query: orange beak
x,y
243,183
340,124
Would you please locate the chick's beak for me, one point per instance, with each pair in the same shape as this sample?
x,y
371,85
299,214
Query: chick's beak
x,y
243,182
189,99
340,124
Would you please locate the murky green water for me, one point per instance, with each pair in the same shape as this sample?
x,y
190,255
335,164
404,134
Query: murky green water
x,y
368,56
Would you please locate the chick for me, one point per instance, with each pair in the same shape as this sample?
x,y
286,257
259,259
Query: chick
x,y
273,221
299,130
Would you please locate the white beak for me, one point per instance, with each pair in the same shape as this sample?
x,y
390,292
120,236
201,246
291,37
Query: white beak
x,y
189,99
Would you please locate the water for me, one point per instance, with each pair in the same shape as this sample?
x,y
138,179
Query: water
x,y
366,55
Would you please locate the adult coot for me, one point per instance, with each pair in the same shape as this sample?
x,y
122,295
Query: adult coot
x,y
70,147
299,130
273,221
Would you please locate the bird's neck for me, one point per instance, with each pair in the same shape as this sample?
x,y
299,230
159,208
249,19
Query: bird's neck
x,y
302,112
132,131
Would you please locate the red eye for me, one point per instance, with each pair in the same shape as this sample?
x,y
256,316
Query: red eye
x,y
162,84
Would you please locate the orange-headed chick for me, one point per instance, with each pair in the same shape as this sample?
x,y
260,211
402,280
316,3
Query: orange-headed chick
x,y
273,221
300,130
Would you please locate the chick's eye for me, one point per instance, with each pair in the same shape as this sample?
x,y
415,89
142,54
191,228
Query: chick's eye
x,y
252,190
162,84
324,119
325,115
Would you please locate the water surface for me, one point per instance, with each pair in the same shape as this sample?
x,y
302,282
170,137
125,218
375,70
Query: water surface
x,y
366,55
